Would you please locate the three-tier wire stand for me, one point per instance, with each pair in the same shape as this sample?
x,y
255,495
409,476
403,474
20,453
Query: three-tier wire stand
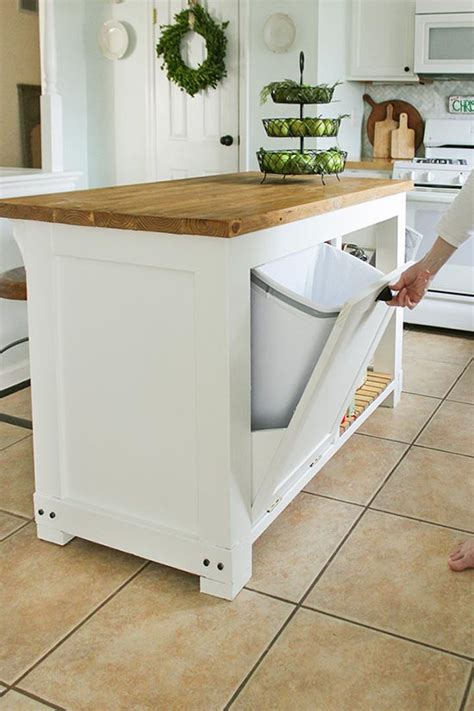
x,y
303,161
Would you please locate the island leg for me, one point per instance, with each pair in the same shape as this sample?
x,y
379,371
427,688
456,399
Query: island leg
x,y
222,312
53,535
390,254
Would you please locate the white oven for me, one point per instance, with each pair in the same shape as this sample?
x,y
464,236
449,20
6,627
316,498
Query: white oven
x,y
438,177
444,37
450,300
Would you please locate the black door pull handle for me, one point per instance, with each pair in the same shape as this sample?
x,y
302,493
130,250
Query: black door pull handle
x,y
385,295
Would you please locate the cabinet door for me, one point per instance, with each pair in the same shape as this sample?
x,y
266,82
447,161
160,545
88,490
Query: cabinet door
x,y
383,36
315,423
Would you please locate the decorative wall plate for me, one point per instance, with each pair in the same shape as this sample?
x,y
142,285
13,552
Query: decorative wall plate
x,y
279,32
113,39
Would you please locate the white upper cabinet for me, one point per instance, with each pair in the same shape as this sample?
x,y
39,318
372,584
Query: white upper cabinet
x,y
383,40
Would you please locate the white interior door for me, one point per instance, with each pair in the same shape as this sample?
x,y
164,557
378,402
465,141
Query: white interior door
x,y
189,129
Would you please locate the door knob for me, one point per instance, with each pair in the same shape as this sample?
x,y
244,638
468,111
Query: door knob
x,y
226,140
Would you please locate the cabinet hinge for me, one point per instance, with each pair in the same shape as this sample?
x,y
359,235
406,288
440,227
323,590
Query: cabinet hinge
x,y
155,15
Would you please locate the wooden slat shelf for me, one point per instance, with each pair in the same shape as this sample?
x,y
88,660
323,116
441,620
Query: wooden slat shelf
x,y
375,384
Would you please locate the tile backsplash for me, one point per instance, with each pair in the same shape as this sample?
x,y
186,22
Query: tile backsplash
x,y
431,100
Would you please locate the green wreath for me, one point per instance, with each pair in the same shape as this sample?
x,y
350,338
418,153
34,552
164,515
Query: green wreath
x,y
212,70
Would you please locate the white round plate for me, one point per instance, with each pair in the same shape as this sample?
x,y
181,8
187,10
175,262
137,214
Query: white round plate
x,y
279,32
113,39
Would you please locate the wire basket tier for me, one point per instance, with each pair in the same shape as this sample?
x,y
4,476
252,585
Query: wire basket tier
x,y
308,162
321,94
298,127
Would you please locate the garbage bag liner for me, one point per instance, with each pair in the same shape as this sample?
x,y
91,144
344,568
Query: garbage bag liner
x,y
295,303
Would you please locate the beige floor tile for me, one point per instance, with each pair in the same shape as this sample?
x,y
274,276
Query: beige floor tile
x,y
2,689
434,486
463,391
403,422
13,701
47,590
160,644
10,434
427,377
392,573
17,483
8,524
289,555
18,404
433,345
358,469
451,429
323,664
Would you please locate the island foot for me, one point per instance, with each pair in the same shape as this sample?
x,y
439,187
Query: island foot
x,y
52,535
217,588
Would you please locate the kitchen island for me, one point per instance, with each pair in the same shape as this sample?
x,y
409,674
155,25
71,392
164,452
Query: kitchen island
x,y
139,306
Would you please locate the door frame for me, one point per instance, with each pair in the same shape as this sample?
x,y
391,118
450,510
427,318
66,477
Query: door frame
x,y
243,91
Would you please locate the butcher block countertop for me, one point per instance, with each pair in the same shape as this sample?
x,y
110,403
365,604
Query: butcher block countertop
x,y
217,206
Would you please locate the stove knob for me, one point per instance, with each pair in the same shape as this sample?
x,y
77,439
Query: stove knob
x,y
461,179
429,177
409,175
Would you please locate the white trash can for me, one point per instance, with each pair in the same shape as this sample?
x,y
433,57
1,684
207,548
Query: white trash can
x,y
295,303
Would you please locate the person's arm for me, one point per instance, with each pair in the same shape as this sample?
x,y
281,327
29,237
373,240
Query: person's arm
x,y
455,227
413,284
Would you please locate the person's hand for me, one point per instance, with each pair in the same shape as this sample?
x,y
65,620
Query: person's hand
x,y
412,286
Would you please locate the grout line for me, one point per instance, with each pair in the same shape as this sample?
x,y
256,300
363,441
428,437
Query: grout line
x,y
16,421
458,402
332,498
10,513
6,687
28,694
458,655
463,371
81,623
432,397
385,439
466,691
331,557
445,451
17,441
422,520
271,595
260,659
12,533
436,410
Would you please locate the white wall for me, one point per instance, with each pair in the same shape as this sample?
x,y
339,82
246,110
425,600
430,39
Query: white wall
x,y
333,43
19,64
266,66
106,103
86,85
323,33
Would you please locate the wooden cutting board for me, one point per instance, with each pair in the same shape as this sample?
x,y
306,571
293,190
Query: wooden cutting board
x,y
382,134
379,112
403,139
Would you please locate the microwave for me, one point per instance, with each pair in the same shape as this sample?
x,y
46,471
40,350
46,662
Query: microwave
x,y
444,37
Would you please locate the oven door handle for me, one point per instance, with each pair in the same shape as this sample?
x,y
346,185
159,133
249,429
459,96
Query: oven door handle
x,y
419,195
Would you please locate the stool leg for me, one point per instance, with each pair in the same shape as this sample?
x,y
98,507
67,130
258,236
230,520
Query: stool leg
x,y
14,343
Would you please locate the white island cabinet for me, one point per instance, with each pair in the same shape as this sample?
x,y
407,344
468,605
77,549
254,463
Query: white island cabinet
x,y
139,304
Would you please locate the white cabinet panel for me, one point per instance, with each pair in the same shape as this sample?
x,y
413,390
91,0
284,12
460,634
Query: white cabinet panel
x,y
383,34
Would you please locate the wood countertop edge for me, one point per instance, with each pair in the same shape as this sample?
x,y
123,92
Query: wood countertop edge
x,y
200,226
